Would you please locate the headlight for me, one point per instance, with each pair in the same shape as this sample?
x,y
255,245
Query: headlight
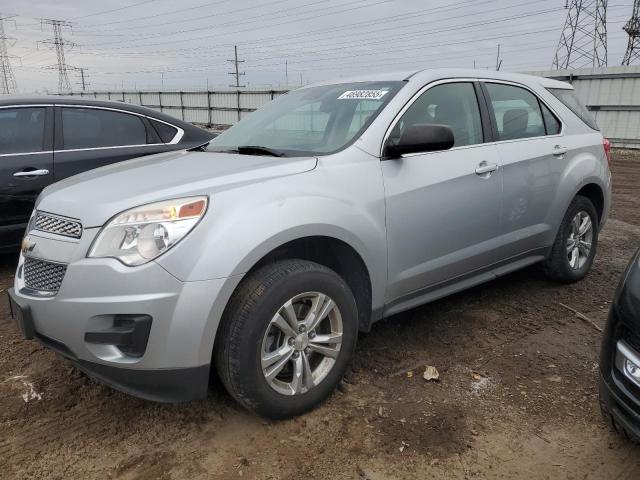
x,y
143,233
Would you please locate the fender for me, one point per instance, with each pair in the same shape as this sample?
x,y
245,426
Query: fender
x,y
585,169
246,223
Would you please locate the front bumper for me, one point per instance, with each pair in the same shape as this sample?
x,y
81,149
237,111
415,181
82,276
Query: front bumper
x,y
614,403
174,364
619,391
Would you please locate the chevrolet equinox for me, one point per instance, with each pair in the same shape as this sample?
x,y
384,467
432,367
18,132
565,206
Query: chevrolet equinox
x,y
338,204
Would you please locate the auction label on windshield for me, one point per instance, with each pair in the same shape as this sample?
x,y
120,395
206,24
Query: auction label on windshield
x,y
363,94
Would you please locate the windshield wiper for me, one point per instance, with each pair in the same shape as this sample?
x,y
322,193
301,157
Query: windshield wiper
x,y
258,150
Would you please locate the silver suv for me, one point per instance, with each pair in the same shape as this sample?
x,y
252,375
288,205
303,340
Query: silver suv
x,y
328,209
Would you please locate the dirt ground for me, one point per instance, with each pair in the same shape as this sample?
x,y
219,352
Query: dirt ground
x,y
517,396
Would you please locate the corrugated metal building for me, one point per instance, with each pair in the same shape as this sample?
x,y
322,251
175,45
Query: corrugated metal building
x,y
613,96
223,107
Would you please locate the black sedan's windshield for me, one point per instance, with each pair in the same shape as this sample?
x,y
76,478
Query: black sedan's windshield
x,y
310,121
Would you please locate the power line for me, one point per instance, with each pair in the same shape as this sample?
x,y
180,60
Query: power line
x,y
583,41
147,17
250,29
146,24
404,39
59,43
632,27
305,35
309,34
8,80
103,12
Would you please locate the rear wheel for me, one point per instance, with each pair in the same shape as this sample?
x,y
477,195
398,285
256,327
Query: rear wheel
x,y
287,337
575,245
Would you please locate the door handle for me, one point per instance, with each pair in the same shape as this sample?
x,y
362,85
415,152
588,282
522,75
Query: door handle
x,y
558,151
31,173
485,167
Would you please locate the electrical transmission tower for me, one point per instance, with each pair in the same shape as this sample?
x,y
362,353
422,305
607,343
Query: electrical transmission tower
x,y
59,43
632,27
583,42
7,79
236,73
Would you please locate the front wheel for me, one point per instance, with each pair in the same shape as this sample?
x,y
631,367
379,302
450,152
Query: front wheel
x,y
287,337
575,245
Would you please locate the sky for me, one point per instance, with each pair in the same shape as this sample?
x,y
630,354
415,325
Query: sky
x,y
164,44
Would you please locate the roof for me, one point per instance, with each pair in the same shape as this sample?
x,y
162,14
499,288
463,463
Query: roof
x,y
428,75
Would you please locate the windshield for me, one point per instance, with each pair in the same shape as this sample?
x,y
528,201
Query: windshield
x,y
310,121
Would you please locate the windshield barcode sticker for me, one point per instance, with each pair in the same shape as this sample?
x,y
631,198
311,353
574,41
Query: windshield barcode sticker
x,y
363,94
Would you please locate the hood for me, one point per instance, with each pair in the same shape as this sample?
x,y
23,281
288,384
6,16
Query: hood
x,y
97,195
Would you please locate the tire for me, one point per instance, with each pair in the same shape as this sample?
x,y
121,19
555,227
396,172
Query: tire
x,y
247,336
558,266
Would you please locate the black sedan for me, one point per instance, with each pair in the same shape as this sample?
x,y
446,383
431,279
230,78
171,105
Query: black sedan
x,y
620,356
46,139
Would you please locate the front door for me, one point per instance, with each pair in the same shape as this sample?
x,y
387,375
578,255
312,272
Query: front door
x,y
26,166
442,207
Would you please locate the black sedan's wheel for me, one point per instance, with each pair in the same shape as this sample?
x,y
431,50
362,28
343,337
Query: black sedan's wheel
x,y
287,337
575,246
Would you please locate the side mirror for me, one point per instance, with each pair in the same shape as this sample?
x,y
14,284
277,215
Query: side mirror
x,y
422,137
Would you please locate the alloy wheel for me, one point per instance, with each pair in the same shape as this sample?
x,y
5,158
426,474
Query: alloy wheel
x,y
301,343
579,240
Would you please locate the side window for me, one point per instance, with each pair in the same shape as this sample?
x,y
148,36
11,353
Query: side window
x,y
452,104
551,123
573,103
516,112
165,132
90,127
22,130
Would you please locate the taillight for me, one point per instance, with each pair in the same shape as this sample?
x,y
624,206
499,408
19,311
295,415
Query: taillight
x,y
606,144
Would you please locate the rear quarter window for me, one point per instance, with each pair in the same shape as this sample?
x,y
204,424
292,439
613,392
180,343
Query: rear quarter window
x,y
573,103
165,131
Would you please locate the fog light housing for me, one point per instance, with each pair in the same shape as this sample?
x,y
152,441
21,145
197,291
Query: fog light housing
x,y
628,362
129,333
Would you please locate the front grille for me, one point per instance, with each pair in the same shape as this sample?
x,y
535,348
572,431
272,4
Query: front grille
x,y
42,275
62,226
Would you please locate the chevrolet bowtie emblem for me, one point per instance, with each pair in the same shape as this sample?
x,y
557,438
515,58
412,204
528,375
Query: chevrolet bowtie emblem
x,y
27,245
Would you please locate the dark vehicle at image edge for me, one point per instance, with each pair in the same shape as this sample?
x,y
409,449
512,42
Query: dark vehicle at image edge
x,y
620,356
45,139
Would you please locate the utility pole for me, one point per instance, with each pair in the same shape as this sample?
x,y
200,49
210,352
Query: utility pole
x,y
498,59
59,43
236,73
632,27
83,83
7,79
286,74
583,41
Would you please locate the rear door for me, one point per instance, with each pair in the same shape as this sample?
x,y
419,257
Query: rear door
x,y
91,137
529,141
26,165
